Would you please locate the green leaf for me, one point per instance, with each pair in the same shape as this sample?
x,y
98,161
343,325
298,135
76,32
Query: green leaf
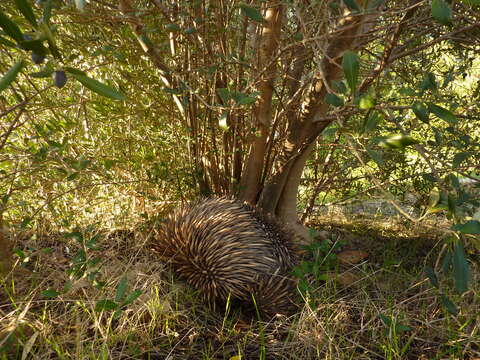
x,y
438,135
105,305
330,131
190,30
121,289
80,164
34,45
94,261
448,78
47,33
441,12
50,293
298,272
339,86
352,5
244,99
80,257
303,286
91,244
224,94
72,176
452,204
144,39
438,208
459,158
75,71
371,122
471,2
25,222
449,305
27,12
376,156
429,82
350,66
443,114
432,276
461,272
407,91
11,75
366,102
247,100
252,13
117,313
172,27
334,100
447,262
393,323
131,297
399,328
97,86
109,163
298,36
5,198
77,235
421,111
68,286
307,266
386,320
470,227
433,197
47,11
10,28
453,180
398,141
21,254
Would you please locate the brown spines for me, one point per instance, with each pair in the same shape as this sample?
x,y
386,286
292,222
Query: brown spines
x,y
223,248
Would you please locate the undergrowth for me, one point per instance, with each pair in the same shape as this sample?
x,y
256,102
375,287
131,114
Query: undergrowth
x,y
95,295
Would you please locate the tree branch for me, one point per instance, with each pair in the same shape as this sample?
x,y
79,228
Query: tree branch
x,y
250,182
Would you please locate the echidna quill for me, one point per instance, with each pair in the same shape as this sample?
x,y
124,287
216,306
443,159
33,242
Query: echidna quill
x,y
225,248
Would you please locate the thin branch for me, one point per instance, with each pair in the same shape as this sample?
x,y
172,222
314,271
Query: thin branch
x,y
435,41
388,49
12,127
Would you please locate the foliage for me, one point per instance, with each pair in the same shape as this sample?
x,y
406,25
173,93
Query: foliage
x,y
122,299
321,259
122,107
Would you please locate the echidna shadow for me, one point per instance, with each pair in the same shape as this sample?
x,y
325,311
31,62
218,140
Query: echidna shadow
x,y
225,248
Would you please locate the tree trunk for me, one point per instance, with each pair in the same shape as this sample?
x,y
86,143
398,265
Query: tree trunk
x,y
250,184
279,196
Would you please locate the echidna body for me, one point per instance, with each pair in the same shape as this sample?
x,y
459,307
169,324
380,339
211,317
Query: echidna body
x,y
225,248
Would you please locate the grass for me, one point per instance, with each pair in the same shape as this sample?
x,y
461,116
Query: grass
x,y
389,310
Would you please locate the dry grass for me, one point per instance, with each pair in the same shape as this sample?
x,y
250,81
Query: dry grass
x,y
168,321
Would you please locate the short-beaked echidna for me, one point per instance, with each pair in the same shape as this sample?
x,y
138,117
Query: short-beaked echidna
x,y
225,248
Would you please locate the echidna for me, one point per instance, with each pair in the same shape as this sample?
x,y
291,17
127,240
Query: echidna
x,y
225,248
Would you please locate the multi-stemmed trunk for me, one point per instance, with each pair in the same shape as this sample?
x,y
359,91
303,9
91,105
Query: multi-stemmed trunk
x,y
278,196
